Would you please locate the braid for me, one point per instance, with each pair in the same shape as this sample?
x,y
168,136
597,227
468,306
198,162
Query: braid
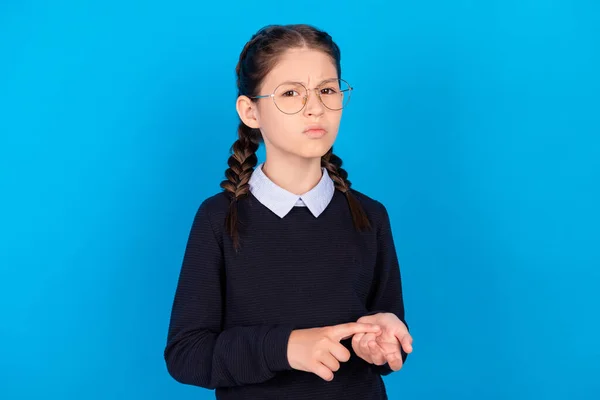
x,y
333,164
241,164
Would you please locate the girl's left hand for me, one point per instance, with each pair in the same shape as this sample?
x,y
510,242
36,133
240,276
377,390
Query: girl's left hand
x,y
385,346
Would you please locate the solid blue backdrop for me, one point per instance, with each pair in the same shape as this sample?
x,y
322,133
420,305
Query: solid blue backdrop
x,y
476,123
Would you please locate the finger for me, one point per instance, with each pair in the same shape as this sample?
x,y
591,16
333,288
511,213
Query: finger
x,y
394,360
364,348
391,350
405,341
388,347
407,345
339,352
330,362
376,353
373,356
322,371
344,331
364,343
356,339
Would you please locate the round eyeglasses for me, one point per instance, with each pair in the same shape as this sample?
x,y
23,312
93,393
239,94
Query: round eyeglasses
x,y
291,97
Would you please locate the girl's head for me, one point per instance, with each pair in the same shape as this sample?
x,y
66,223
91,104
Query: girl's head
x,y
277,68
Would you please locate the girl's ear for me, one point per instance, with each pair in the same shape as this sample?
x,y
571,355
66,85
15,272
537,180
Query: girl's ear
x,y
246,109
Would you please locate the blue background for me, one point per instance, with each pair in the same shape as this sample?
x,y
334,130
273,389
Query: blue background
x,y
476,123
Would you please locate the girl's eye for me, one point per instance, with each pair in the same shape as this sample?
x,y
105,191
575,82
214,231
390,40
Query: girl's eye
x,y
328,91
290,93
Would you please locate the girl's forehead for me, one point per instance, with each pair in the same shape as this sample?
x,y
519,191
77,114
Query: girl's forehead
x,y
309,67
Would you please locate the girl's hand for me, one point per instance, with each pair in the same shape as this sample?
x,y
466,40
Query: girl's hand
x,y
384,347
318,350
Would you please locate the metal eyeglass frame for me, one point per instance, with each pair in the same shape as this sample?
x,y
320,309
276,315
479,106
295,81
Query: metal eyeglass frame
x,y
305,100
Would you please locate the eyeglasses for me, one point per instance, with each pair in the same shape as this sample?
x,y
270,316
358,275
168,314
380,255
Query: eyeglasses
x,y
291,97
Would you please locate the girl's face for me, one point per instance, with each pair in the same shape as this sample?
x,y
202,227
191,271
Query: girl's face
x,y
285,134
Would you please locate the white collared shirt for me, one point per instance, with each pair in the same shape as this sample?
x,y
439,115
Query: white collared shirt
x,y
281,202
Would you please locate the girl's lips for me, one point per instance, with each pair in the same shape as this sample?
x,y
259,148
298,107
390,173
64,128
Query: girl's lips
x,y
315,133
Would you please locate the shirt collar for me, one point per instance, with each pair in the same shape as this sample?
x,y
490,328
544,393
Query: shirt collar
x,y
281,202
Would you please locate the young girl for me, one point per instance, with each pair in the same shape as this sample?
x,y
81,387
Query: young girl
x,y
290,286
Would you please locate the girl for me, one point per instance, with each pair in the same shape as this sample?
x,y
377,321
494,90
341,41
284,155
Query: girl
x,y
290,286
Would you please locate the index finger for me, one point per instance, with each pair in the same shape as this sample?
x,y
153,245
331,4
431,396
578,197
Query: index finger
x,y
345,331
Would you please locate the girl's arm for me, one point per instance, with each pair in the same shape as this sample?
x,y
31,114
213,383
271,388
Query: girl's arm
x,y
198,351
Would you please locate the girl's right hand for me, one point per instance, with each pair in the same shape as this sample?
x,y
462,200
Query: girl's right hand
x,y
318,350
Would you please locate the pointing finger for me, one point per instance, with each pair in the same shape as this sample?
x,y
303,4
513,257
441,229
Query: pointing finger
x,y
345,331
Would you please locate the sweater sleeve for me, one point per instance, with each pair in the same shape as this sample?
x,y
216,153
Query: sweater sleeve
x,y
198,351
387,287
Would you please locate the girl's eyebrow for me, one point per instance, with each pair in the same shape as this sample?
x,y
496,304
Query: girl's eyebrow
x,y
304,83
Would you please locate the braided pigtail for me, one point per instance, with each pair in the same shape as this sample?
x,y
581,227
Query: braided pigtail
x,y
333,164
241,165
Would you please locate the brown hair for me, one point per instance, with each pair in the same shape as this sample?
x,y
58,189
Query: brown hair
x,y
257,58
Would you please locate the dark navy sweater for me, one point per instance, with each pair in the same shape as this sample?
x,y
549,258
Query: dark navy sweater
x,y
233,313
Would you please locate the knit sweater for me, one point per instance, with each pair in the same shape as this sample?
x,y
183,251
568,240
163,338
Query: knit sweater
x,y
233,312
